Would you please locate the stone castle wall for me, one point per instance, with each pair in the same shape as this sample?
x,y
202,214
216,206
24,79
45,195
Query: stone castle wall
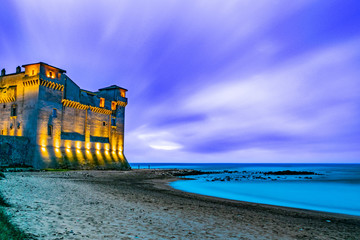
x,y
64,125
15,151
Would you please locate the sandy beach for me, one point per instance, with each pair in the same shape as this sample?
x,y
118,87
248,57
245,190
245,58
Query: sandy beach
x,y
139,204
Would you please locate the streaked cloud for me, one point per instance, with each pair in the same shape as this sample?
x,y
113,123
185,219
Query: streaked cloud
x,y
208,80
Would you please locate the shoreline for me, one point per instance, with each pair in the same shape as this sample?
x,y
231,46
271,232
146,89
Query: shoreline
x,y
165,184
141,204
285,204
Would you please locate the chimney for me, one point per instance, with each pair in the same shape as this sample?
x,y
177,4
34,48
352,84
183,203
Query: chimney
x,y
3,72
18,69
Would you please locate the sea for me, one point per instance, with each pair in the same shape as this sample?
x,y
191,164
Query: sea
x,y
325,187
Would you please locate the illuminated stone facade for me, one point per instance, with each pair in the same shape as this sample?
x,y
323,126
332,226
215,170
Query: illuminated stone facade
x,y
47,121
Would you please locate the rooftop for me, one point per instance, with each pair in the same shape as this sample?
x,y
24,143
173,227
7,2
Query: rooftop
x,y
61,70
112,87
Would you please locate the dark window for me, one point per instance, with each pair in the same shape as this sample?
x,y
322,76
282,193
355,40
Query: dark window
x,y
50,74
13,110
50,130
113,122
104,123
33,72
4,106
54,113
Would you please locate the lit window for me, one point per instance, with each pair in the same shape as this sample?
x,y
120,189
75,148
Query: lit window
x,y
102,102
113,105
122,92
13,110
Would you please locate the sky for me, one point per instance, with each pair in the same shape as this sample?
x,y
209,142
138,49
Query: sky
x,y
209,81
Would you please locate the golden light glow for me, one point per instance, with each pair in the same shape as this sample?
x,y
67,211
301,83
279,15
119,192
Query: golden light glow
x,y
69,154
102,102
19,132
113,105
56,141
80,157
50,74
89,157
98,146
31,70
87,145
114,156
122,92
99,158
44,153
58,153
43,137
78,144
67,143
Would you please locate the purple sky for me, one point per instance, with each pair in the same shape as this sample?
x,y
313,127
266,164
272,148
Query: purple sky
x,y
209,81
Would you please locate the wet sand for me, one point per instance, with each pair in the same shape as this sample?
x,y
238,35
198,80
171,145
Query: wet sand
x,y
139,204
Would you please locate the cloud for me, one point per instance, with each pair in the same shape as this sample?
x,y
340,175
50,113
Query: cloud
x,y
309,103
156,141
208,79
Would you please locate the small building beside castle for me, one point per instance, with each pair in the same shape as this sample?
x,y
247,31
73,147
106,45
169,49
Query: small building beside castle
x,y
47,121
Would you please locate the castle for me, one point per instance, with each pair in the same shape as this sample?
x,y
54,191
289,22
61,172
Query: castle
x,y
47,121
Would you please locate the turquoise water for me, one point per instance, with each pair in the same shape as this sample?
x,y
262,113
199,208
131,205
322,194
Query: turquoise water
x,y
336,188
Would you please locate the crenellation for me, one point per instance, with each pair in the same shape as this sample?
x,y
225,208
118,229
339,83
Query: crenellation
x,y
64,126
